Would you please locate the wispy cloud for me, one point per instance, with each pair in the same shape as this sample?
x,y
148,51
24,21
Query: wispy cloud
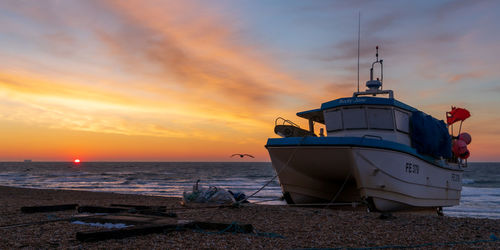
x,y
189,63
202,53
468,75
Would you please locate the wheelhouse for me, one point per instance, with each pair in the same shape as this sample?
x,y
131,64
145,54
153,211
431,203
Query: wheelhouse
x,y
369,117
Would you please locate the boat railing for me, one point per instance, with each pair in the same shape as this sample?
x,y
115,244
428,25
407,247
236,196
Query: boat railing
x,y
287,128
374,93
283,121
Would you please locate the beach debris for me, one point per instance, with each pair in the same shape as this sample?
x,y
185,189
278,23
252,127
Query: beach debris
x,y
126,232
211,194
51,208
127,219
242,155
97,224
155,213
146,210
439,211
164,228
386,216
96,209
239,196
142,207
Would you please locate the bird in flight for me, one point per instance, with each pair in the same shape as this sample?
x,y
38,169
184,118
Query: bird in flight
x,y
242,155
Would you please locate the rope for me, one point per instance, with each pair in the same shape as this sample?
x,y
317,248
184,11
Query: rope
x,y
340,190
272,179
262,201
493,238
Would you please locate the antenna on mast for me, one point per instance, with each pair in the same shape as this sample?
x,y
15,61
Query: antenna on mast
x,y
359,32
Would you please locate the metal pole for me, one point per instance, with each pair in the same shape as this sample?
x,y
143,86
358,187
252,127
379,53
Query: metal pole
x,y
359,34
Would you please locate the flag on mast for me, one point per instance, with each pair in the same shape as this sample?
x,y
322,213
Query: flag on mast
x,y
456,114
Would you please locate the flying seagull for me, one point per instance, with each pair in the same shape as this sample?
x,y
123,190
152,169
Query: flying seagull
x,y
242,155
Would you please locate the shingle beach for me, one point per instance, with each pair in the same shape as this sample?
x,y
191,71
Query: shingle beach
x,y
275,226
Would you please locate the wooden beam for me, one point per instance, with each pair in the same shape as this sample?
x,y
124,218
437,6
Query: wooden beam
x,y
163,228
51,208
96,209
126,232
141,207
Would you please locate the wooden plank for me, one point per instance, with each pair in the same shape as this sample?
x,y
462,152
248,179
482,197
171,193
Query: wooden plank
x,y
96,209
51,208
155,213
125,219
126,232
162,228
141,207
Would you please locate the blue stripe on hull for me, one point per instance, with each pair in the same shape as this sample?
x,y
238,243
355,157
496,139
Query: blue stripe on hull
x,y
351,142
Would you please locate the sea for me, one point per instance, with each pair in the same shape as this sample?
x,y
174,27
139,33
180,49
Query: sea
x,y
480,192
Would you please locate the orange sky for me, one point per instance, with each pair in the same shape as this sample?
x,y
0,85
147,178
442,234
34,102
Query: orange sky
x,y
188,81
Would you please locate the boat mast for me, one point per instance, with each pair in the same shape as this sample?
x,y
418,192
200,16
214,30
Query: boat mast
x,y
381,80
359,34
375,86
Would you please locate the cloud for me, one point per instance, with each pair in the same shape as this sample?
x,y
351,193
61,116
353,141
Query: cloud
x,y
456,78
342,88
495,89
64,105
450,8
203,54
186,71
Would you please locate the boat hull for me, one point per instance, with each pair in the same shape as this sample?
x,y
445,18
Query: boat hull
x,y
390,180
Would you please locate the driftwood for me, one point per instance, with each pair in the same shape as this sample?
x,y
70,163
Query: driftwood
x,y
126,219
155,213
140,207
95,209
162,228
125,232
132,209
52,208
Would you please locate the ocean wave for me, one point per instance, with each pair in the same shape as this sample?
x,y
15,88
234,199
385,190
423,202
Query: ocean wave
x,y
172,179
467,181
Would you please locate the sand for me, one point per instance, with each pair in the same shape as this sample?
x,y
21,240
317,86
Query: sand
x,y
281,227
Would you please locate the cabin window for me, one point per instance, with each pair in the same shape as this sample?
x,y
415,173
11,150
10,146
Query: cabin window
x,y
402,121
333,120
380,118
354,118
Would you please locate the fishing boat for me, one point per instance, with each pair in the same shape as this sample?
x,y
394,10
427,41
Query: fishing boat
x,y
377,150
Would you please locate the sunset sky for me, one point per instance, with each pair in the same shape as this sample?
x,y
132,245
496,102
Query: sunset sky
x,y
201,80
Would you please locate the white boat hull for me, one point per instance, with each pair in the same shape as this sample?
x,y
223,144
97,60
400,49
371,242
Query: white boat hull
x,y
389,180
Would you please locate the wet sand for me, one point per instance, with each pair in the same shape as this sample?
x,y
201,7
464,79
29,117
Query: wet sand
x,y
281,227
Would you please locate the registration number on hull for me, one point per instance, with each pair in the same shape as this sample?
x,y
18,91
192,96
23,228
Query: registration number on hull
x,y
412,168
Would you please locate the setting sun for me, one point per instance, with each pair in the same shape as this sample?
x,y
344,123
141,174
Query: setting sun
x,y
77,161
